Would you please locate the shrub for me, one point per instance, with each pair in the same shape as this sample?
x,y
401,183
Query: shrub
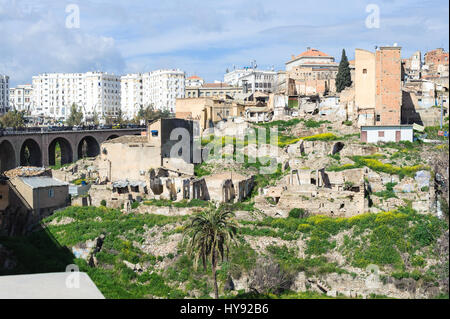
x,y
135,205
321,137
298,213
103,203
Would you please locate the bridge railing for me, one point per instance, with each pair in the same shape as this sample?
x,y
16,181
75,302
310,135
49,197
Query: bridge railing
x,y
35,130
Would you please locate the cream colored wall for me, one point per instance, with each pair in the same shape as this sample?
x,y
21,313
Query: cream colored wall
x,y
42,199
24,190
127,162
365,86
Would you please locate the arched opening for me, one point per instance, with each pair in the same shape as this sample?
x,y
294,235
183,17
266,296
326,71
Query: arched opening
x,y
112,137
60,152
88,147
30,154
338,147
7,156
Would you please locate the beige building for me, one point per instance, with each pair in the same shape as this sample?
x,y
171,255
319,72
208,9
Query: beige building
x,y
378,93
132,157
42,193
213,90
208,110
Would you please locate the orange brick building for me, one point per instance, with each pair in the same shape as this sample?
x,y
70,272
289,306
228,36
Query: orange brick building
x,y
388,77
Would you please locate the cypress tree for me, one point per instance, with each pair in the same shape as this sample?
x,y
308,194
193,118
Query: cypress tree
x,y
343,77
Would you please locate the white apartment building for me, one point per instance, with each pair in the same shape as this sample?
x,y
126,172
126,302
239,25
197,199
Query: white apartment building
x,y
161,88
256,80
194,81
4,94
131,95
20,97
92,92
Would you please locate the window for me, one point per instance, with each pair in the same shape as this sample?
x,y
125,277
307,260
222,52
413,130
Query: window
x,y
380,133
378,118
51,193
364,71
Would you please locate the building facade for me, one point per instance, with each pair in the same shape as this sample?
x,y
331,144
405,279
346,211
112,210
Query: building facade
x,y
93,92
311,73
132,95
437,63
194,81
161,88
4,94
20,97
252,80
213,90
378,86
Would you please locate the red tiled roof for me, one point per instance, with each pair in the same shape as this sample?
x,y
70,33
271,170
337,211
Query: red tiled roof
x,y
312,52
194,77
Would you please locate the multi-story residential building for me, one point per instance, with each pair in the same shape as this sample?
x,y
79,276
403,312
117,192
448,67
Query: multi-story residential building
x,y
378,86
20,97
194,81
4,94
213,90
413,66
131,95
252,79
161,88
93,92
437,63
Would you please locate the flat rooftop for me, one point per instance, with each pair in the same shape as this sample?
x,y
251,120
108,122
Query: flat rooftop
x,y
42,182
49,286
128,139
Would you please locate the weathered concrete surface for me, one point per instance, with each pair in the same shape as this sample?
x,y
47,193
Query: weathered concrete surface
x,y
48,286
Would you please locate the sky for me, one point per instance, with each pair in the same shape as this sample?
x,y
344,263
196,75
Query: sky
x,y
204,37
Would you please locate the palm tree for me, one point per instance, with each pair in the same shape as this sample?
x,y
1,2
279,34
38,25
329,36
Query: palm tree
x,y
212,233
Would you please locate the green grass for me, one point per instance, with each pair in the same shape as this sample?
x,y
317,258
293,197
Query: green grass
x,y
375,164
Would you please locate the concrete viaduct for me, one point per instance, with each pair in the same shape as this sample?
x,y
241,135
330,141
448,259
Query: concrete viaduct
x,y
38,149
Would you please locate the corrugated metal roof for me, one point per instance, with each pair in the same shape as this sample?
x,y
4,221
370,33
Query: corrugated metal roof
x,y
42,181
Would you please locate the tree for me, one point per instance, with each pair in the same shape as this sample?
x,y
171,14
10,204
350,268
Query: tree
x,y
149,114
212,233
14,119
76,117
95,118
343,77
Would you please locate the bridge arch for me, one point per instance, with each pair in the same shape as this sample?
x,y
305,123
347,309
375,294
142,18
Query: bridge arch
x,y
30,153
7,156
112,137
88,147
65,149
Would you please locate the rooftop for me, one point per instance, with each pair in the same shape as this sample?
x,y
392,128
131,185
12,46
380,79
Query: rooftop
x,y
49,286
42,182
194,77
24,171
128,139
311,53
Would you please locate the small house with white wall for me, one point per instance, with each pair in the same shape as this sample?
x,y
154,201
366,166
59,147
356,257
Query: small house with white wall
x,y
387,133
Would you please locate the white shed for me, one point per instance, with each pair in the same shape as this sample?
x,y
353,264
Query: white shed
x,y
387,133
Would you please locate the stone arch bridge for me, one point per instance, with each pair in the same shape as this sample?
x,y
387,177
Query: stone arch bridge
x,y
38,149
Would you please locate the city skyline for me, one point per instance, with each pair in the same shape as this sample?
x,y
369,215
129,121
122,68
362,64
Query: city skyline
x,y
202,38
